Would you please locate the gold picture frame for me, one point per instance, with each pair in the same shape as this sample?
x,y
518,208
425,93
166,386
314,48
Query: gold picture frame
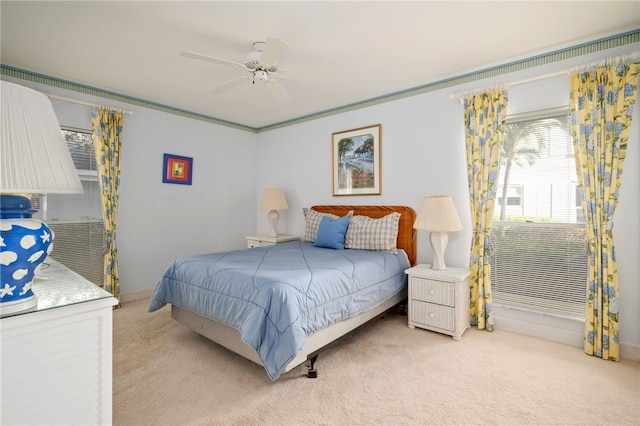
x,y
356,161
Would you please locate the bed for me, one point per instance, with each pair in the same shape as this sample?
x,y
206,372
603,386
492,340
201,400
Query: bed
x,y
280,305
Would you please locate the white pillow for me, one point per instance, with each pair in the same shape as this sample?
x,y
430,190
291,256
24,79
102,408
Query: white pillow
x,y
366,233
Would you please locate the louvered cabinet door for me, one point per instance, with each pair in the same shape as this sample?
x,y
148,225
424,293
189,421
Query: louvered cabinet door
x,y
57,366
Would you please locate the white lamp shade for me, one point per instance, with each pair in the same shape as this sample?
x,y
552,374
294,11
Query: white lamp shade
x,y
273,199
34,157
438,214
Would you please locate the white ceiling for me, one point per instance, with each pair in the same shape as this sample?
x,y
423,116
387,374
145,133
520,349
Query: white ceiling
x,y
372,48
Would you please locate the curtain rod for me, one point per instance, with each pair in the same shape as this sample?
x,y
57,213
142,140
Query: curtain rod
x,y
62,98
581,68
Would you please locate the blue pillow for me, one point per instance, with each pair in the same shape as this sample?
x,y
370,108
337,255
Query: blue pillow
x,y
331,232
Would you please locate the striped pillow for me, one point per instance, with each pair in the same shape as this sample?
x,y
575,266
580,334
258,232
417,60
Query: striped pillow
x,y
366,233
312,219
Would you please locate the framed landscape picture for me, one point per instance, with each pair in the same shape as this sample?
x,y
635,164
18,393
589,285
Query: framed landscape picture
x,y
177,169
356,161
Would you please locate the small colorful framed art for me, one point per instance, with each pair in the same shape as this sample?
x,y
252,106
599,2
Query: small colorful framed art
x,y
177,169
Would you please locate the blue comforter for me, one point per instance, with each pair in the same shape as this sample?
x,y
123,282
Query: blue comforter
x,y
278,295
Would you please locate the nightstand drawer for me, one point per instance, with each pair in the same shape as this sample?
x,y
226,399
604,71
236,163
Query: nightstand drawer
x,y
265,240
431,315
258,243
439,292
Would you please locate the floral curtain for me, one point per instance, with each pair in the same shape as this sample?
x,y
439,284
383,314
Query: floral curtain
x,y
484,117
107,125
601,104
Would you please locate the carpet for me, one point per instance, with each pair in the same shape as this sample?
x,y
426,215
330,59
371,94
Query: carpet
x,y
383,373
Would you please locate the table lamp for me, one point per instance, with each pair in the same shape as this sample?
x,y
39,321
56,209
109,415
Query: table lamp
x,y
34,159
438,215
273,200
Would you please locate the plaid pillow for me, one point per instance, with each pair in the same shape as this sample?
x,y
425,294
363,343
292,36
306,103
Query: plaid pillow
x,y
366,233
312,219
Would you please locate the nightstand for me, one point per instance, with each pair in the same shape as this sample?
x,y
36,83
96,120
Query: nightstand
x,y
439,300
265,240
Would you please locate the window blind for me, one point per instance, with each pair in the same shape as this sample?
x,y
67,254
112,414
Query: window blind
x,y
76,219
539,266
539,245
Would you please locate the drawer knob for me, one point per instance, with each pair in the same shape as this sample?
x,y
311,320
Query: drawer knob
x,y
431,315
431,291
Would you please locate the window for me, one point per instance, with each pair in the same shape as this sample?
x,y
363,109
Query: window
x,y
76,219
539,256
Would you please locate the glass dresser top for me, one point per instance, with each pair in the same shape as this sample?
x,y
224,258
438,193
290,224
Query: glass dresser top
x,y
56,286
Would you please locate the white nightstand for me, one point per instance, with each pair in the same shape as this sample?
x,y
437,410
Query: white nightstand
x,y
439,300
265,240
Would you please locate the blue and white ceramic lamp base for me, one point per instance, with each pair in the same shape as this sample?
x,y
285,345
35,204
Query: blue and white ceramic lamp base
x,y
24,245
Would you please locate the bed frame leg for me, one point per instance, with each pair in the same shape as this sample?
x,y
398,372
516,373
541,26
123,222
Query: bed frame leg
x,y
312,373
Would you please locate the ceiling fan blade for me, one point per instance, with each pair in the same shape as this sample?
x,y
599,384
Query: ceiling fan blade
x,y
228,85
273,49
277,91
201,57
319,77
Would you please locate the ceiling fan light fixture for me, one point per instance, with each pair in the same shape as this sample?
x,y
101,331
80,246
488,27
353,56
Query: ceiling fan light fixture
x,y
252,60
260,75
261,64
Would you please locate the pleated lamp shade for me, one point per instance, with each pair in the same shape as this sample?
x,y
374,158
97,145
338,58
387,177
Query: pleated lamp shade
x,y
34,158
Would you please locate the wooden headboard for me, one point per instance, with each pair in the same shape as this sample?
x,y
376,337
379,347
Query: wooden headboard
x,y
407,236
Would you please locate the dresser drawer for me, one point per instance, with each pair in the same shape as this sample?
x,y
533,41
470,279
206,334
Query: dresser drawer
x,y
442,293
431,315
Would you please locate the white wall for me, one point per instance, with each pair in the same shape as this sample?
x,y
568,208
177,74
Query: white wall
x,y
422,146
420,156
158,222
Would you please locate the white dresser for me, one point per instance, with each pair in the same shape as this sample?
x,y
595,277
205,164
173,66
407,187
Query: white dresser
x,y
56,359
439,300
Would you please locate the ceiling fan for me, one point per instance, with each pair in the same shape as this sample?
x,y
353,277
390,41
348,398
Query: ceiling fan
x,y
261,64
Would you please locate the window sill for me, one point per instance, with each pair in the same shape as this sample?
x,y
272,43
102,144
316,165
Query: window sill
x,y
556,315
